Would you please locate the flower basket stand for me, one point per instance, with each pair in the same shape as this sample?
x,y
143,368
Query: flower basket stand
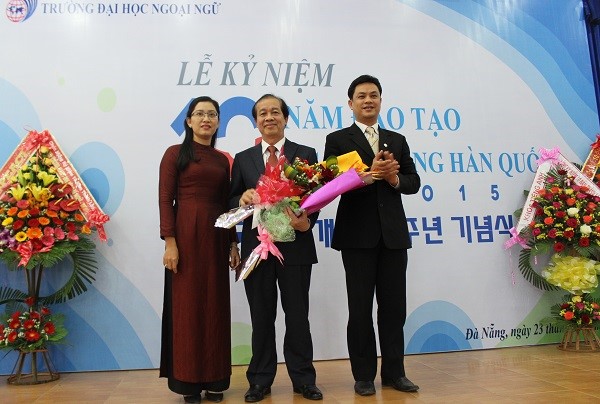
x,y
38,374
580,339
40,367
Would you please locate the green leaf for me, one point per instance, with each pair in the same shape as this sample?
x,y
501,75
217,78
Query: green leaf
x,y
529,273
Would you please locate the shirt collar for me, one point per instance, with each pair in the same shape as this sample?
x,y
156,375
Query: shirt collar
x,y
364,127
278,145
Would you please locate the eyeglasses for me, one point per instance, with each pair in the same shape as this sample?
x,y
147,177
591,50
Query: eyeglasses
x,y
202,114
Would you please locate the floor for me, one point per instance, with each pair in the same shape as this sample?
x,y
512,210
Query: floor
x,y
537,374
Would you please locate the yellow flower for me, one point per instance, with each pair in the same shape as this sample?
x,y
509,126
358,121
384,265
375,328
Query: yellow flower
x,y
17,192
46,178
20,236
575,274
39,193
44,149
576,299
7,221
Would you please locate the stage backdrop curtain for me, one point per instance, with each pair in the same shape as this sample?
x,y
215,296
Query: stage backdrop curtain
x,y
592,18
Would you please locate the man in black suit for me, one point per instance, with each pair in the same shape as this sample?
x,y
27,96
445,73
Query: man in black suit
x,y
372,234
271,115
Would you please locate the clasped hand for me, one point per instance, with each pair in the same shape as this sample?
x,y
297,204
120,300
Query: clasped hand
x,y
385,167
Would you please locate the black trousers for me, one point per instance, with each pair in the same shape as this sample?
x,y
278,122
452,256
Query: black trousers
x,y
376,272
262,293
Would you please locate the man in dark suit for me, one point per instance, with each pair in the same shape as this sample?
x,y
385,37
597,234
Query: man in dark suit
x,y
372,234
271,115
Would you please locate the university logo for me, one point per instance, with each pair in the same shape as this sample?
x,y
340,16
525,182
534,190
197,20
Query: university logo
x,y
20,10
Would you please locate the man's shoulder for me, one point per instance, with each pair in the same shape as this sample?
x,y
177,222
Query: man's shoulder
x,y
343,131
247,151
298,146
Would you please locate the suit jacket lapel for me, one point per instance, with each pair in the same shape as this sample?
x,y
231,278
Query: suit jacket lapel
x,y
358,137
289,150
257,159
385,139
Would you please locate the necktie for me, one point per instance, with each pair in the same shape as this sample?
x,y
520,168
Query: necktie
x,y
272,159
373,138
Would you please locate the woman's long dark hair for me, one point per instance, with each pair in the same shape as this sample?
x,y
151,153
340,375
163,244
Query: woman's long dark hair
x,y
186,152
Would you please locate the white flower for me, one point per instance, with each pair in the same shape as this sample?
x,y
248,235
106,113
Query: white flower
x,y
585,229
572,211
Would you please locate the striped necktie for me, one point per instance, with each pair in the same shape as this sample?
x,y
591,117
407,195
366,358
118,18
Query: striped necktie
x,y
272,159
373,138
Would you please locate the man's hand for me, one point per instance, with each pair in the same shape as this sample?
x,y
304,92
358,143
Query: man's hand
x,y
247,197
300,223
385,167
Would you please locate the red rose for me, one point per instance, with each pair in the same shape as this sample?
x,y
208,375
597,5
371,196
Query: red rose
x,y
585,320
30,301
32,335
569,315
548,221
29,324
560,214
584,241
49,328
35,315
569,234
552,233
572,222
45,311
37,244
587,219
33,223
558,247
12,337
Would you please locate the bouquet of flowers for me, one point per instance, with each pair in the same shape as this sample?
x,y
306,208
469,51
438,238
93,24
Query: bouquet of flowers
x,y
37,211
300,186
577,311
46,213
561,218
31,329
566,215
